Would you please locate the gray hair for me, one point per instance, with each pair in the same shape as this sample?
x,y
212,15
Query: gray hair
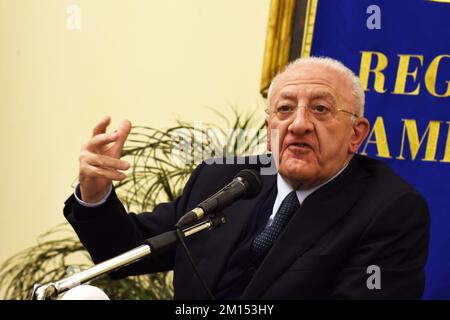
x,y
358,91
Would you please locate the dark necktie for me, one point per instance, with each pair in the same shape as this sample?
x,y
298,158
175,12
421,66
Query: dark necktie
x,y
264,241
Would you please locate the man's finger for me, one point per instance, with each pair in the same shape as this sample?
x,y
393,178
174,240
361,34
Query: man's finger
x,y
123,130
101,126
100,140
106,162
97,172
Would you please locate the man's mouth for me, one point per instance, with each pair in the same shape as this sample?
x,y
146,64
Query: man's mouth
x,y
299,145
299,149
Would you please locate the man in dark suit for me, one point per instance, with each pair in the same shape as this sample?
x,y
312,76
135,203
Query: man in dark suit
x,y
328,224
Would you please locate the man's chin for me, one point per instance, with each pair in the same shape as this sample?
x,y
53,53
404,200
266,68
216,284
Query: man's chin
x,y
295,162
295,169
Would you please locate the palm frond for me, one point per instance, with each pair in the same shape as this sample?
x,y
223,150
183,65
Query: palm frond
x,y
158,174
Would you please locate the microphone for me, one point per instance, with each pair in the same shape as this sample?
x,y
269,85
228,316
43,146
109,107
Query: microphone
x,y
246,184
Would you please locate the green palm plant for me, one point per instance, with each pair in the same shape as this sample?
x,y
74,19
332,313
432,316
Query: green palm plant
x,y
158,174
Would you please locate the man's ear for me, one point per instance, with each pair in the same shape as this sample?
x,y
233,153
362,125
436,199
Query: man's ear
x,y
361,129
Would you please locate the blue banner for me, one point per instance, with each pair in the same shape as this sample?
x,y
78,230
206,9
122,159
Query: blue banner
x,y
401,51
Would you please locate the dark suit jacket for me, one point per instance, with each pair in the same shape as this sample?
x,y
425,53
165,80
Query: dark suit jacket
x,y
366,216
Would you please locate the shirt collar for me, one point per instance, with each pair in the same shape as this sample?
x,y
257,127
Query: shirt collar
x,y
284,188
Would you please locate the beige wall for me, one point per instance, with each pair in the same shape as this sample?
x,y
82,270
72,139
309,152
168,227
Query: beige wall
x,y
146,60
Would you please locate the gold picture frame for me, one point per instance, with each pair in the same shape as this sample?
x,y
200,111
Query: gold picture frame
x,y
289,35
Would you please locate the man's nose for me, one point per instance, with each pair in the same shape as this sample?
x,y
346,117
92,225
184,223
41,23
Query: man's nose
x,y
301,121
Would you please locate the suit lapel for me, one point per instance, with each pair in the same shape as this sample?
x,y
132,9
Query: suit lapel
x,y
215,247
318,213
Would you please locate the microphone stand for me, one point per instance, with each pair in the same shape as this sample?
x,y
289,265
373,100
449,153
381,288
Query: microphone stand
x,y
151,246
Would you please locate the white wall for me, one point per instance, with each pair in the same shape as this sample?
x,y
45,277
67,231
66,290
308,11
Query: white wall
x,y
146,60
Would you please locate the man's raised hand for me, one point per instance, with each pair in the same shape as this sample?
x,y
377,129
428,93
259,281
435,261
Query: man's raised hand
x,y
100,162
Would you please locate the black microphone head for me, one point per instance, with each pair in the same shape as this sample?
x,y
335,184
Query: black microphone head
x,y
252,181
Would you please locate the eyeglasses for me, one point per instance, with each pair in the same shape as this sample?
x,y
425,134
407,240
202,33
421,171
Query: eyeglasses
x,y
319,112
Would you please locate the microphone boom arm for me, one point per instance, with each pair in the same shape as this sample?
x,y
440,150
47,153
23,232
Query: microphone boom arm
x,y
154,245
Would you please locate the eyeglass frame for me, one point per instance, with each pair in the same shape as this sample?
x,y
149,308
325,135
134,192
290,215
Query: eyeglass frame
x,y
356,116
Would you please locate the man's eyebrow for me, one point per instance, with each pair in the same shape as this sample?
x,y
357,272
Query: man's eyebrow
x,y
324,95
288,95
314,95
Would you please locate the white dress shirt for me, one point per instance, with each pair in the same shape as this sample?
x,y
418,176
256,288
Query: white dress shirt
x,y
283,189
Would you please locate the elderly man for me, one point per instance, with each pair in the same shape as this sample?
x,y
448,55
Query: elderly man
x,y
329,224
